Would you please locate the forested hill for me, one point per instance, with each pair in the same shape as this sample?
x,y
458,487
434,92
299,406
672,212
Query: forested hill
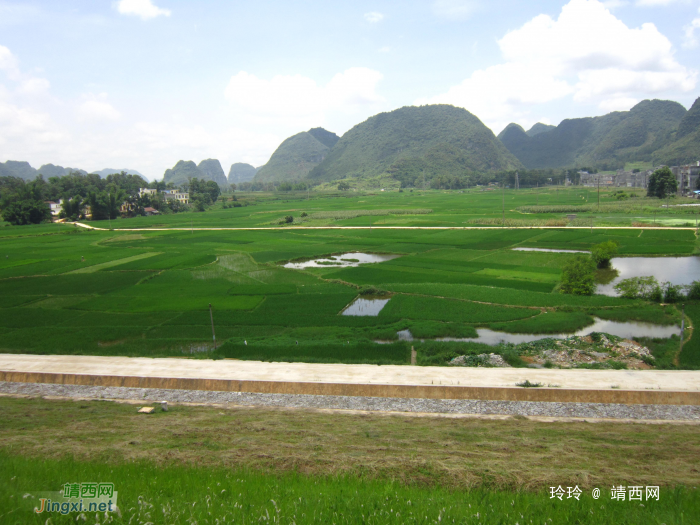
x,y
297,155
606,142
412,141
185,170
213,171
685,149
539,128
241,172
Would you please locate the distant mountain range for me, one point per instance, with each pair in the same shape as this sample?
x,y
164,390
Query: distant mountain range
x,y
657,131
297,156
427,142
23,170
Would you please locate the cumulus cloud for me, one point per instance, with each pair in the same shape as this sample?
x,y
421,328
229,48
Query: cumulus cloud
x,y
141,8
690,38
299,100
653,3
455,9
373,17
96,108
547,59
8,63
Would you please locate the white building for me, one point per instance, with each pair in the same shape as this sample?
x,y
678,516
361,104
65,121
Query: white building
x,y
182,196
56,207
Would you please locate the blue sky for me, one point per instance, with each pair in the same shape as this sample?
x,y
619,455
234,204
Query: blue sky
x,y
141,84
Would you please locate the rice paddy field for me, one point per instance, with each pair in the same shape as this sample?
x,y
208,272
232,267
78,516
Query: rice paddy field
x,y
68,290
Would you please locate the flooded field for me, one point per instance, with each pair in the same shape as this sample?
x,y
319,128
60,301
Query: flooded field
x,y
547,250
369,307
676,270
343,260
627,330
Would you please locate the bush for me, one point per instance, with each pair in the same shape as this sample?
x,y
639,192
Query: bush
x,y
672,294
694,291
640,288
289,219
603,252
304,214
578,276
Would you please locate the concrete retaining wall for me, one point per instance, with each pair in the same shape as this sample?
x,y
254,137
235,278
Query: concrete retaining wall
x,y
646,397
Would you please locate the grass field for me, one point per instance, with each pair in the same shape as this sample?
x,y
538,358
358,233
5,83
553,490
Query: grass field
x,y
68,290
209,465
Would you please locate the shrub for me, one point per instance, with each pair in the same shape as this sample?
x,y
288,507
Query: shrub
x,y
304,214
578,276
603,252
694,290
289,219
639,287
672,294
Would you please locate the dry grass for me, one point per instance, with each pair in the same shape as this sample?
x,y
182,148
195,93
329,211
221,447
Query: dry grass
x,y
512,453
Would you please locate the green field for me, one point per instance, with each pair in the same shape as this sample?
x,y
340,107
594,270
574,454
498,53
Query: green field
x,y
68,290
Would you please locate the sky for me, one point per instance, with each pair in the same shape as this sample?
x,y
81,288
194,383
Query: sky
x,y
141,84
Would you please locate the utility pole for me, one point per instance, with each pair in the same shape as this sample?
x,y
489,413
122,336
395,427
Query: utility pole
x,y
682,326
213,335
504,203
599,193
109,198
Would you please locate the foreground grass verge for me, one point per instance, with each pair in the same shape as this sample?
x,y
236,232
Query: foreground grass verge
x,y
186,494
512,454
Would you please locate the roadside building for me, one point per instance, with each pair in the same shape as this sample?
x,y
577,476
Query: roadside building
x,y
150,211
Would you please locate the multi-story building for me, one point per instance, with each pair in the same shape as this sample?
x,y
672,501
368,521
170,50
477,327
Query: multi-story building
x,y
182,196
687,177
56,207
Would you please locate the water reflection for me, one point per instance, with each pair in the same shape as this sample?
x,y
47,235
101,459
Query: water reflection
x,y
365,307
343,260
547,250
676,270
626,330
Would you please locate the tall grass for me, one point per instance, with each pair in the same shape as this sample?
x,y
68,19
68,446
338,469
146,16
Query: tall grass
x,y
178,494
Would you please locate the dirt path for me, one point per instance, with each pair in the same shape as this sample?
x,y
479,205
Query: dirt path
x,y
295,228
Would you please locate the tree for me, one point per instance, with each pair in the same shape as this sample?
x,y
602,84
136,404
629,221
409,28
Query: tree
x,y
640,288
662,183
577,276
343,186
603,252
23,212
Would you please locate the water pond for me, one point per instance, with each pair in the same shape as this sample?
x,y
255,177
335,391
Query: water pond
x,y
343,260
547,250
627,330
676,270
363,306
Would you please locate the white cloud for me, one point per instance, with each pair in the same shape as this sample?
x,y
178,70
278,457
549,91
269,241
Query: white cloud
x,y
548,59
614,4
298,100
455,9
653,3
96,108
8,63
373,17
141,8
690,38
